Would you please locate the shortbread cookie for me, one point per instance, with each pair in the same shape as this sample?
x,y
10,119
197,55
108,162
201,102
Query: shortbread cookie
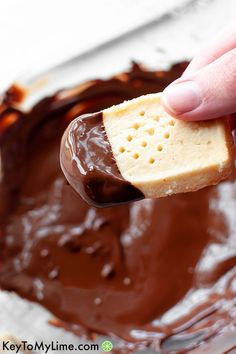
x,y
161,155
135,149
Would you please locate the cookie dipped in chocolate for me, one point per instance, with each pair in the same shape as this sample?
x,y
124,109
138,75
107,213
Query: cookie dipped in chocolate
x,y
159,274
89,166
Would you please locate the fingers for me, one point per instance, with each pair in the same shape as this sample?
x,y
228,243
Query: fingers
x,y
223,43
206,94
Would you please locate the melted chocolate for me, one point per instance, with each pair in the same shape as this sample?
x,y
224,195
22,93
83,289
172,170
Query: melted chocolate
x,y
89,165
158,274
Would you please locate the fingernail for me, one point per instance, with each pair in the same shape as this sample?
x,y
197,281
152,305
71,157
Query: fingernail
x,y
182,97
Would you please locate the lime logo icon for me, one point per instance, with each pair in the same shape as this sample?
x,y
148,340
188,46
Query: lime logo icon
x,y
107,346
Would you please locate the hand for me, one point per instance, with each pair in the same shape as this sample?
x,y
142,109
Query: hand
x,y
207,88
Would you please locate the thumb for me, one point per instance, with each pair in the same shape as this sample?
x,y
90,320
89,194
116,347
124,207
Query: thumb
x,y
206,94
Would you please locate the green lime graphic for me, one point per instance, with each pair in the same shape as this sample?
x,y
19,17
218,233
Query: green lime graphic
x,y
107,346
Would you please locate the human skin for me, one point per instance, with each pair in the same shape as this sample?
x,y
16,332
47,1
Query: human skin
x,y
207,88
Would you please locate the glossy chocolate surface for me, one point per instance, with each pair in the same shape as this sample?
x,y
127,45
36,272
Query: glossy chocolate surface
x,y
89,165
158,274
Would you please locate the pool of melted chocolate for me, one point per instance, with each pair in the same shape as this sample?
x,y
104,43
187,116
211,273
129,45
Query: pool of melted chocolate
x,y
154,273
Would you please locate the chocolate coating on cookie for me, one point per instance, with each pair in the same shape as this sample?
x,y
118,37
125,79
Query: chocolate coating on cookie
x,y
89,165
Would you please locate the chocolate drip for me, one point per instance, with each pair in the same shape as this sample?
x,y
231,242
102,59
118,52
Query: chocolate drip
x,y
89,165
157,274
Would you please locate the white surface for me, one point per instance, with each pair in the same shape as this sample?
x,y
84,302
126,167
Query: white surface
x,y
170,38
174,38
35,35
